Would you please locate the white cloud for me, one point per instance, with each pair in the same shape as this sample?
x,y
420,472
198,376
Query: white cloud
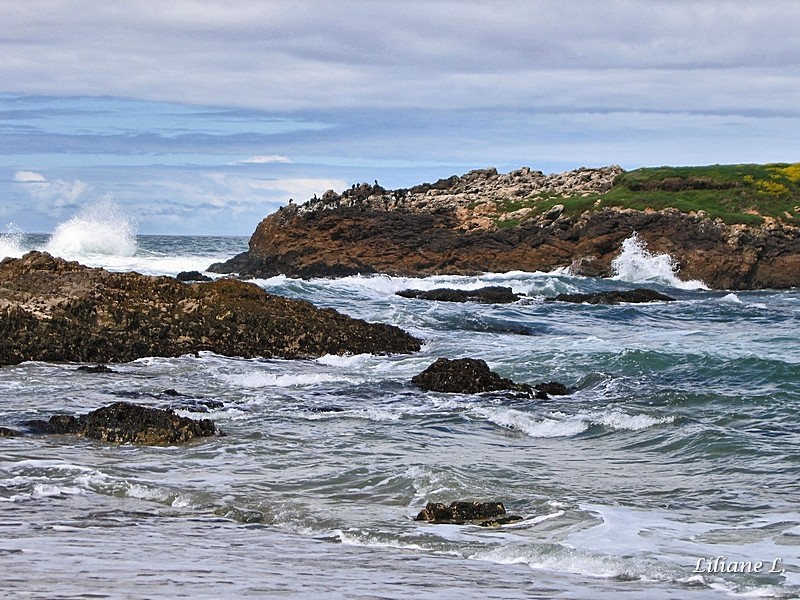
x,y
263,160
446,54
29,177
50,194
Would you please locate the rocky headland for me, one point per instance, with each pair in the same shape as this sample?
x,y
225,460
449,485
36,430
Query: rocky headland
x,y
722,228
60,311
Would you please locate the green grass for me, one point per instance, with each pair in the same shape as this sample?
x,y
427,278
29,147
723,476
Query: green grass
x,y
733,193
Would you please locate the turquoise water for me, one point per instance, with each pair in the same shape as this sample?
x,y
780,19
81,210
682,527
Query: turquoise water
x,y
680,443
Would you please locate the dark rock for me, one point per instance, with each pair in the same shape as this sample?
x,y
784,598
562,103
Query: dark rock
x,y
95,369
125,423
553,388
7,432
466,376
487,514
640,295
188,276
55,310
489,295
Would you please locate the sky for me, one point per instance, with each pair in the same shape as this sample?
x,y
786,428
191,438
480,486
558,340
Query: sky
x,y
203,117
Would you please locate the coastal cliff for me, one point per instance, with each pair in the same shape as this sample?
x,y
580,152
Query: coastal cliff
x,y
731,227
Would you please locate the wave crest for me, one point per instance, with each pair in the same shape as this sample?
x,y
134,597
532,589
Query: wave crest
x,y
100,229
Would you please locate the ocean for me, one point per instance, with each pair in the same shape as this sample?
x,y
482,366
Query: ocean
x,y
671,471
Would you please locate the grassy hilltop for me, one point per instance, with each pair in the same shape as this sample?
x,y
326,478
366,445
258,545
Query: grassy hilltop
x,y
733,193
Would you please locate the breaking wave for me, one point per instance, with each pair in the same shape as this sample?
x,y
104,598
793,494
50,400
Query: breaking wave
x,y
99,229
11,242
636,264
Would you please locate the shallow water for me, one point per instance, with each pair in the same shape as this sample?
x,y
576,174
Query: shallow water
x,y
680,442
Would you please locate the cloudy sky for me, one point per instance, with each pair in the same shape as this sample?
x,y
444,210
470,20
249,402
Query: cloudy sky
x,y
204,116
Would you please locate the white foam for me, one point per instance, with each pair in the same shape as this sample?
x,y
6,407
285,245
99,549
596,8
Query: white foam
x,y
11,242
349,361
522,282
558,424
731,299
530,425
368,414
100,228
619,420
635,264
260,380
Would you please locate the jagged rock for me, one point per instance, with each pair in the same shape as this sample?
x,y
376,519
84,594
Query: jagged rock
x,y
494,294
125,423
467,376
8,432
487,514
55,310
640,295
192,276
95,369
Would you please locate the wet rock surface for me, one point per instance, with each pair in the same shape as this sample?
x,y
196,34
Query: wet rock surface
x,y
55,310
465,376
484,514
95,369
126,423
473,376
190,276
8,432
487,295
637,296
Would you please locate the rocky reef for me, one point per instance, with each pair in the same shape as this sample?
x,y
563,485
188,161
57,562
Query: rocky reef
x,y
493,294
125,423
56,310
468,225
635,296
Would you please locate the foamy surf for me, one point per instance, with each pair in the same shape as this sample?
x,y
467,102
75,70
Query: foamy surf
x,y
558,424
11,242
636,264
100,228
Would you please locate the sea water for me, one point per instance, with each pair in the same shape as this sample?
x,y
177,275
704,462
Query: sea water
x,y
678,446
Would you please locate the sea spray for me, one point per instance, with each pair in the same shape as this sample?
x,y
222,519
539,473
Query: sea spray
x,y
11,242
100,228
636,264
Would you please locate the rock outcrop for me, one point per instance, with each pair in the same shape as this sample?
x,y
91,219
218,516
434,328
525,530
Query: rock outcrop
x,y
473,376
55,310
125,423
453,227
493,294
484,514
636,296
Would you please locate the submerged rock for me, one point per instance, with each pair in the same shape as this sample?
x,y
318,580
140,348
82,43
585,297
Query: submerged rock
x,y
553,388
640,295
126,423
485,514
55,310
494,294
466,376
8,432
95,369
